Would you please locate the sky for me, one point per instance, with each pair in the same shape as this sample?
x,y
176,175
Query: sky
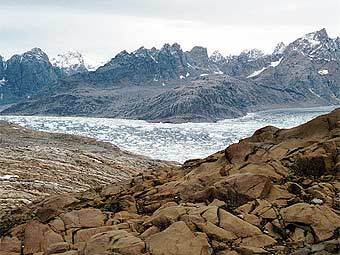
x,y
100,29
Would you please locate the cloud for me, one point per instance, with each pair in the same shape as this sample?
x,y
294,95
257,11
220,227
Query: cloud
x,y
102,28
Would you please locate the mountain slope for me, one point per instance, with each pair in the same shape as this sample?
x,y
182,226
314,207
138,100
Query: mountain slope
x,y
311,65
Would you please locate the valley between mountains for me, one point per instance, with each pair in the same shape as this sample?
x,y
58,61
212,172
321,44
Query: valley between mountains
x,y
172,85
276,192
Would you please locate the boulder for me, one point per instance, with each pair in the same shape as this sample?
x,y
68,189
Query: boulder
x,y
53,206
216,232
238,189
57,248
260,241
10,244
84,218
83,235
321,218
237,226
164,217
118,241
178,239
38,237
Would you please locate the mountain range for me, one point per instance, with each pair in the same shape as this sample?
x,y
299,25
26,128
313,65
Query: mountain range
x,y
173,85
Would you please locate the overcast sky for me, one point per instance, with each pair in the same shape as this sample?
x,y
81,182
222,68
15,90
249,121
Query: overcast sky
x,y
102,28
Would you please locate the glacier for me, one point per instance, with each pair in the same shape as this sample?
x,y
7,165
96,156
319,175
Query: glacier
x,y
166,141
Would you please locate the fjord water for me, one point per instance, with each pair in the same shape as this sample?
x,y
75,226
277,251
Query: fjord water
x,y
175,142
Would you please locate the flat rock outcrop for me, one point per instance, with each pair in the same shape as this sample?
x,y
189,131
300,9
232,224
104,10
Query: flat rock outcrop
x,y
276,192
34,164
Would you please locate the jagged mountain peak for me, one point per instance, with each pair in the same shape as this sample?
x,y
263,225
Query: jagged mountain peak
x,y
121,54
316,45
70,62
252,54
279,49
199,50
318,35
35,53
217,57
315,38
173,49
142,51
35,50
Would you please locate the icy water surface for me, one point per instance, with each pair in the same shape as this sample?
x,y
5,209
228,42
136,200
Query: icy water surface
x,y
176,142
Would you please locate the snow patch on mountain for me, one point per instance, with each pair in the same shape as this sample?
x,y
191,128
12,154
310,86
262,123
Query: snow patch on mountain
x,y
272,64
256,73
92,65
71,62
2,81
313,92
323,72
311,39
276,63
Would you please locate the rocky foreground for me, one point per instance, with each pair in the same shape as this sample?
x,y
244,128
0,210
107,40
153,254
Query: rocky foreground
x,y
34,164
276,192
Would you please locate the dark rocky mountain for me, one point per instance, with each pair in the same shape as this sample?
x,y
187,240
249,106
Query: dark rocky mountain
x,y
2,67
310,66
246,63
26,74
155,66
170,84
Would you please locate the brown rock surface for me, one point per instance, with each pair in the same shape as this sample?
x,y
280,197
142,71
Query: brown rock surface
x,y
35,164
276,192
322,219
178,240
118,241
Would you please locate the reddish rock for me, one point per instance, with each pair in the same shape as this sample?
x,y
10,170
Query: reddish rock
x,y
321,218
39,237
178,240
10,244
84,218
241,188
118,241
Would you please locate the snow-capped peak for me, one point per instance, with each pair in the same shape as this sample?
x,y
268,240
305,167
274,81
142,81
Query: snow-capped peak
x,y
312,40
70,59
316,45
279,49
216,56
253,54
70,62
